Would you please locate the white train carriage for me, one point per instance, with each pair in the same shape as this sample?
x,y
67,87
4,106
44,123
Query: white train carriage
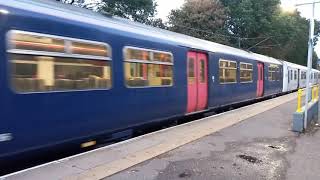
x,y
314,77
290,76
302,76
318,76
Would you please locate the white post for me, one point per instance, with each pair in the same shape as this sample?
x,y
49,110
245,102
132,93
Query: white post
x,y
310,53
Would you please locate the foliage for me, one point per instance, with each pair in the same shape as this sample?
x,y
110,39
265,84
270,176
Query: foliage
x,y
74,2
290,31
258,26
250,18
200,18
138,10
157,22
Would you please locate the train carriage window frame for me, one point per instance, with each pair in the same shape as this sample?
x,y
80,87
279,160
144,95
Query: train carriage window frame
x,y
302,75
191,74
158,71
246,69
274,72
50,59
228,68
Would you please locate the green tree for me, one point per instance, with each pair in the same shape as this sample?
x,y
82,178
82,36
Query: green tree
x,y
78,2
250,19
137,10
290,32
200,18
157,22
285,35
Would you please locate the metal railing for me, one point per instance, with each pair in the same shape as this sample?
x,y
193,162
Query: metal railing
x,y
314,95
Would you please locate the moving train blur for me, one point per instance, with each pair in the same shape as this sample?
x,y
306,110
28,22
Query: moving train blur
x,y
70,76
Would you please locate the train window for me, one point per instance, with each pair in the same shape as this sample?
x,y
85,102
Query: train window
x,y
43,73
202,71
303,75
227,71
145,68
291,75
295,75
162,57
274,72
33,42
191,73
79,65
89,49
246,71
22,42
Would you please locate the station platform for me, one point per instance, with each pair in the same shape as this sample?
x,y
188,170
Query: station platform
x,y
252,142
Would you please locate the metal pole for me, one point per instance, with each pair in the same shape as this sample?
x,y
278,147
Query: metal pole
x,y
310,53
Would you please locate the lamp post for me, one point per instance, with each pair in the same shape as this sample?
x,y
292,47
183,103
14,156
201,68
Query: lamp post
x,y
310,53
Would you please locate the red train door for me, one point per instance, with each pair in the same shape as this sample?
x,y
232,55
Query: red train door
x,y
260,80
202,81
197,70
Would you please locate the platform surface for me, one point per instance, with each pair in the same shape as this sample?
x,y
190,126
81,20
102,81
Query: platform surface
x,y
262,147
253,142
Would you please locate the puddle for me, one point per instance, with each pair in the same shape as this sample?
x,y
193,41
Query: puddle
x,y
250,159
274,147
185,174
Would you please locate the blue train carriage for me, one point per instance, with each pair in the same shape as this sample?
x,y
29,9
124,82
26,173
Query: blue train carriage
x,y
99,75
272,75
232,77
238,76
70,75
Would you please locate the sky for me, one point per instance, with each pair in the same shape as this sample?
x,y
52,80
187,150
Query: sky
x,y
165,6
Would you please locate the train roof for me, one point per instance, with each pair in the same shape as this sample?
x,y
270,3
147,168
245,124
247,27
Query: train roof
x,y
68,12
293,65
267,59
